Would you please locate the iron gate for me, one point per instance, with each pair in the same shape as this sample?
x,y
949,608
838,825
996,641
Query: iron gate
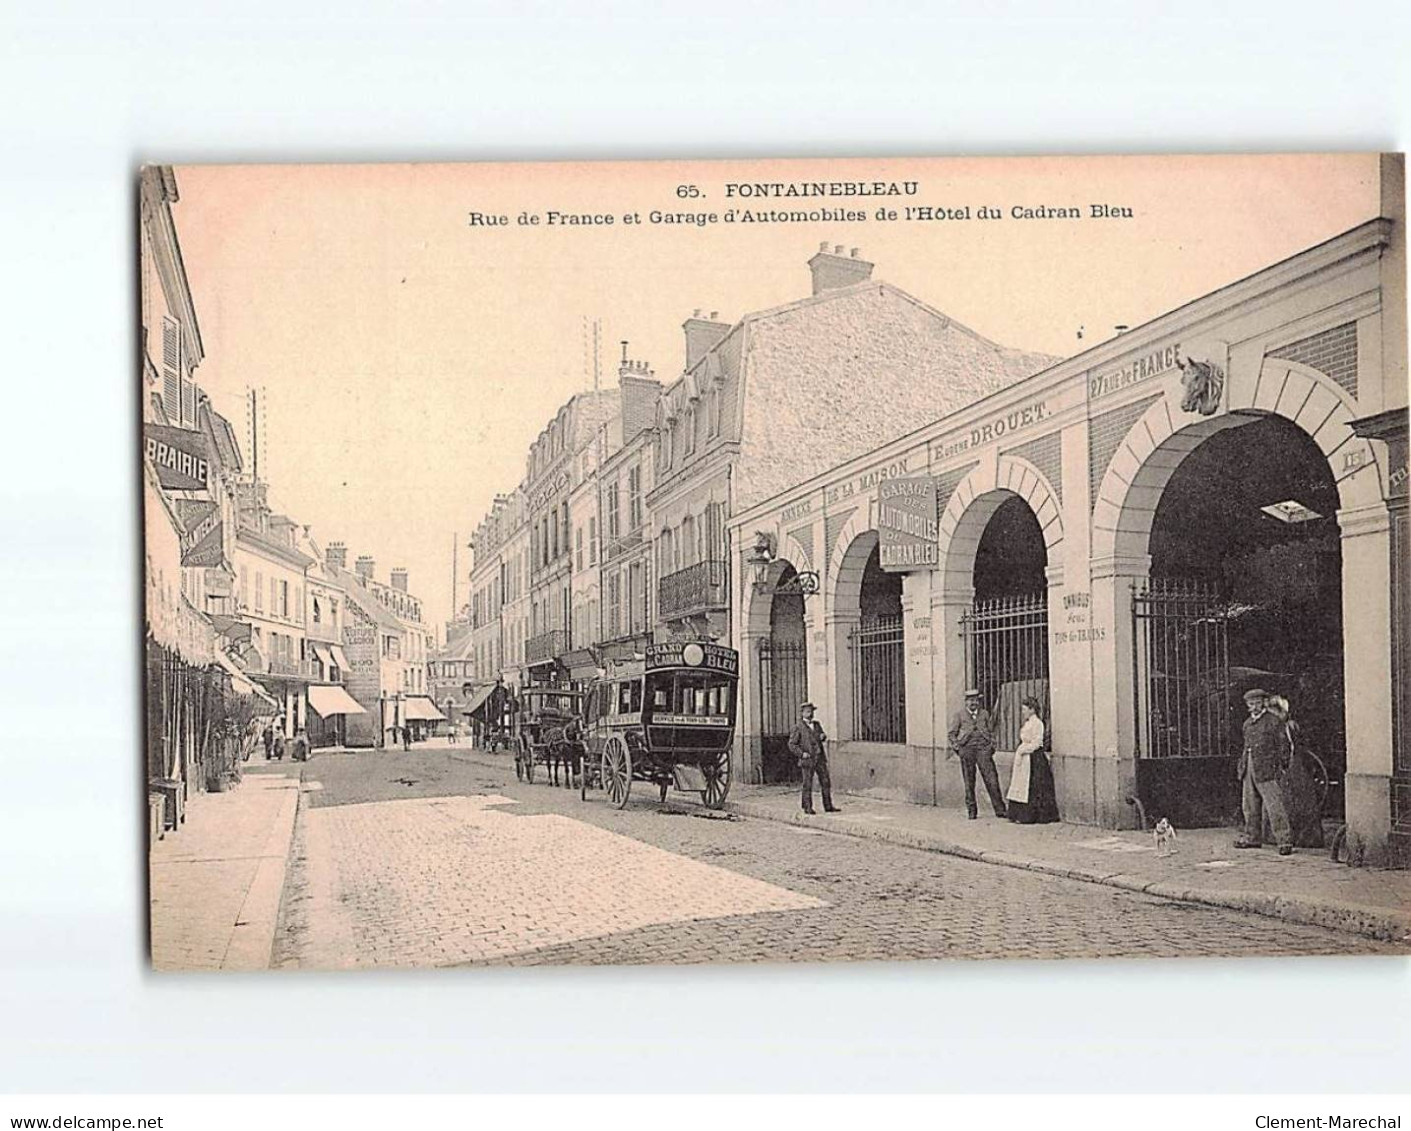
x,y
1006,659
1181,664
879,680
783,685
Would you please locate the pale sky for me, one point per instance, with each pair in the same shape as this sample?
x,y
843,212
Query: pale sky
x,y
409,358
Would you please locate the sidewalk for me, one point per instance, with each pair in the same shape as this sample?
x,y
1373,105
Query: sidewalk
x,y
1304,888
216,883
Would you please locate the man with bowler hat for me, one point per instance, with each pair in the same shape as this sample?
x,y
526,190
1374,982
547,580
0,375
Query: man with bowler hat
x,y
1265,756
806,743
972,739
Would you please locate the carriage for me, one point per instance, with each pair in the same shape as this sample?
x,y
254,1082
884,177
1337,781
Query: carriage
x,y
547,724
668,720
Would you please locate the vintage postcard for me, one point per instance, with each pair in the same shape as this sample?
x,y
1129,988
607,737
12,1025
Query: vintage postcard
x,y
775,561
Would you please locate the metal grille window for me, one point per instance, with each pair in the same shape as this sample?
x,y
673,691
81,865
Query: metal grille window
x,y
1006,658
879,680
783,676
1181,660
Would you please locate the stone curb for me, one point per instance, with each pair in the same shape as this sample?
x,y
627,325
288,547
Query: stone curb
x,y
1385,926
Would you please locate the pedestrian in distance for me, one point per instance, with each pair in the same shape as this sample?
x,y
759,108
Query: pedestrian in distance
x,y
1031,798
972,740
269,740
808,744
406,738
1264,759
279,746
301,746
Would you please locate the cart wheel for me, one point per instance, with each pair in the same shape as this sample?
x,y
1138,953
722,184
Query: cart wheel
x,y
519,766
617,771
664,787
583,780
717,776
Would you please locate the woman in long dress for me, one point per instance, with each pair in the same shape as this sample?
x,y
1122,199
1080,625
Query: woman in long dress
x,y
1031,797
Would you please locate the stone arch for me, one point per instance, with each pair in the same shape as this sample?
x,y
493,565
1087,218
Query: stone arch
x,y
846,564
1156,445
760,599
975,501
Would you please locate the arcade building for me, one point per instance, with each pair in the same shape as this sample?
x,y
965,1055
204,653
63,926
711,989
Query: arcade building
x,y
1137,535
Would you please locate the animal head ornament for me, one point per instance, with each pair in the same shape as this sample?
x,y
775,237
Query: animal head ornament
x,y
1202,384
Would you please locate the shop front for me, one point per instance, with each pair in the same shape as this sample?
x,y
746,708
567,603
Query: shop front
x,y
1132,538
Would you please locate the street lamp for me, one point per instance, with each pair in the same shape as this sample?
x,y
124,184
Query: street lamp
x,y
761,557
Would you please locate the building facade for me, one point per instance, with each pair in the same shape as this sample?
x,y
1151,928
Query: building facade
x,y
1133,536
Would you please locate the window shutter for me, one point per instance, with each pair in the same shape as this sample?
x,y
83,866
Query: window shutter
x,y
171,367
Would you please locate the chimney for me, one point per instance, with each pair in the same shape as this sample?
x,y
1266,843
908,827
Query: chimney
x,y
336,555
701,334
399,578
833,269
639,393
364,565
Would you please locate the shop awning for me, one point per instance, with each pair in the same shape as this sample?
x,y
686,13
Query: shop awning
x,y
237,678
420,709
325,657
330,700
478,701
338,657
581,663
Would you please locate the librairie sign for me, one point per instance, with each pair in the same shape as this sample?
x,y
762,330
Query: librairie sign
x,y
179,455
908,533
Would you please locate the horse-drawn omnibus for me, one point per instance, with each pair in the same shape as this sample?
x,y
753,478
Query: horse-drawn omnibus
x,y
668,720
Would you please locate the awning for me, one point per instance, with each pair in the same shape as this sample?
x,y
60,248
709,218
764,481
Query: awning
x,y
420,709
330,700
581,663
338,657
325,657
478,700
237,678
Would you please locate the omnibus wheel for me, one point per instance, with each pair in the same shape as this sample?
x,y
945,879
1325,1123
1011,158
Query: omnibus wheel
x,y
617,771
664,787
519,765
717,776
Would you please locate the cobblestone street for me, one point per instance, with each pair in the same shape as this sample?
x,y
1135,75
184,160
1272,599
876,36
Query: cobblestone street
x,y
427,858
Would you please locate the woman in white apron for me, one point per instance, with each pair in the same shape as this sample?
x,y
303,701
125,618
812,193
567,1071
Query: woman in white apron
x,y
1031,798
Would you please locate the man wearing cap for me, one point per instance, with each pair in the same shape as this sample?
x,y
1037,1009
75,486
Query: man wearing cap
x,y
1265,755
806,743
972,739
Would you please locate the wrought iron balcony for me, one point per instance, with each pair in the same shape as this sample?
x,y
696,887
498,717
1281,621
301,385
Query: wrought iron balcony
x,y
295,669
619,546
700,588
546,646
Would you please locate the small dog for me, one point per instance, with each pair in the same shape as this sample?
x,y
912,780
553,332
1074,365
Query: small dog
x,y
1165,837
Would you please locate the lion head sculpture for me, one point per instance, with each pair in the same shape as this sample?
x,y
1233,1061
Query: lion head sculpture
x,y
1203,384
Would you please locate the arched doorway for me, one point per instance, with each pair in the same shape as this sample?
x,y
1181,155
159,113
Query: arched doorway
x,y
1245,590
1006,627
877,648
783,675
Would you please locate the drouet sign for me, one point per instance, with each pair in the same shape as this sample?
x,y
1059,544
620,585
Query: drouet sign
x,y
908,532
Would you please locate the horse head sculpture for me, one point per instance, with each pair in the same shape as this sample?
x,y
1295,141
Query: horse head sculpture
x,y
1203,383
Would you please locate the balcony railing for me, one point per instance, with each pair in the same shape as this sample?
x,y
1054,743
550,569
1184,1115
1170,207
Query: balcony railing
x,y
696,589
296,669
546,646
619,546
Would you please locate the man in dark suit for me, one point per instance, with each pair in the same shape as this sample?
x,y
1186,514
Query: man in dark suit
x,y
972,740
806,743
1265,756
